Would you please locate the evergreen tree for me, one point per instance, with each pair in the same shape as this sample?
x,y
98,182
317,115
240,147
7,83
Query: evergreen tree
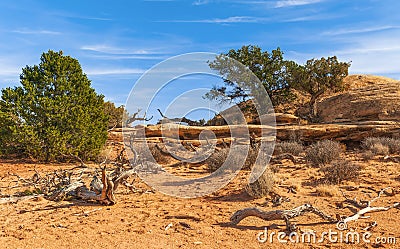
x,y
56,112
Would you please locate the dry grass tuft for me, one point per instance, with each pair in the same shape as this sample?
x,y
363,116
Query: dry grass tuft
x,y
327,191
263,186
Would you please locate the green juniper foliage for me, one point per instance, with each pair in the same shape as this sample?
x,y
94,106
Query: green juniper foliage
x,y
55,112
269,67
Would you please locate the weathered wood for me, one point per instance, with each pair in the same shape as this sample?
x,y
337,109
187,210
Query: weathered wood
x,y
285,215
366,208
15,199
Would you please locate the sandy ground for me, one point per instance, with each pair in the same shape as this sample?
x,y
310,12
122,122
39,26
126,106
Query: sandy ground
x,y
154,220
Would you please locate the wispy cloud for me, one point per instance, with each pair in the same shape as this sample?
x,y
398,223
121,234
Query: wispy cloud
x,y
118,50
291,3
231,19
82,17
36,32
113,71
307,18
200,2
359,31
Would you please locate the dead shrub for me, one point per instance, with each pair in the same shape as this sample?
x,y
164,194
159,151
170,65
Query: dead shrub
x,y
216,159
340,170
262,186
367,155
323,152
292,147
158,155
379,149
381,145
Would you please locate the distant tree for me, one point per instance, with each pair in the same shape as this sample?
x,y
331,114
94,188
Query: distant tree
x,y
318,76
270,68
55,112
116,114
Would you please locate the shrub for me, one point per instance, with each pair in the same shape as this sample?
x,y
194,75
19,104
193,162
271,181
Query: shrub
x,y
379,149
367,155
341,170
323,152
158,155
381,145
216,159
262,186
293,148
116,115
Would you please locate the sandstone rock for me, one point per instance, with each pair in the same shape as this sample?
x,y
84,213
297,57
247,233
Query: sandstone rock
x,y
307,133
370,98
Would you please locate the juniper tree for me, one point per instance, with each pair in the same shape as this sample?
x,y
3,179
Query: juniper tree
x,y
56,112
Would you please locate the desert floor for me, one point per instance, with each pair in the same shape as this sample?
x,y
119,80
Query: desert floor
x,y
149,219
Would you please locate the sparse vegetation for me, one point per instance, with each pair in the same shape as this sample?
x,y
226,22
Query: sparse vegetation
x,y
323,152
326,190
381,145
157,154
340,170
262,186
217,158
291,147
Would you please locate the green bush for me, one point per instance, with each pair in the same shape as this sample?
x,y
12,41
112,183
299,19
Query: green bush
x,y
55,111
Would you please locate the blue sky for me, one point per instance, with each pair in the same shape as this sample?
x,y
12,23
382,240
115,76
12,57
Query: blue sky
x,y
116,42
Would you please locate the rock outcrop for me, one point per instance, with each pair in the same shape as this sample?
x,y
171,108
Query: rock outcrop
x,y
370,98
306,133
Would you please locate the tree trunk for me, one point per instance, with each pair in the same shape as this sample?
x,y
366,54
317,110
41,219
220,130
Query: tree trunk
x,y
314,106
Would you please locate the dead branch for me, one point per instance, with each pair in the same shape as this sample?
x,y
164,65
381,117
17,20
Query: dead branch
x,y
285,215
165,119
288,156
15,199
134,118
366,208
60,194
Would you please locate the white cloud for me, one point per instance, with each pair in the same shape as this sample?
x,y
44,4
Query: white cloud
x,y
36,32
231,19
113,71
117,50
360,30
290,3
200,2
